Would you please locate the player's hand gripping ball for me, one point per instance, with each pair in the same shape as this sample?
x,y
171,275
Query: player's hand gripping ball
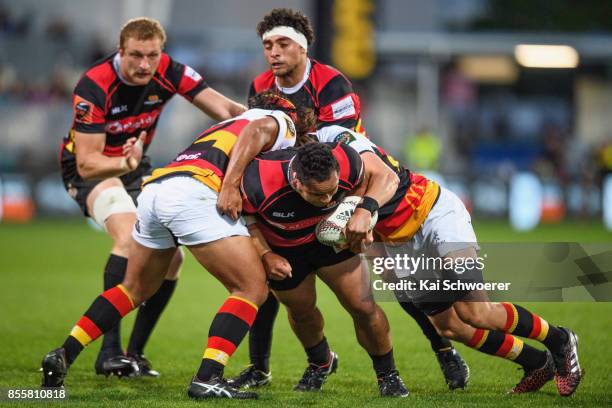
x,y
330,230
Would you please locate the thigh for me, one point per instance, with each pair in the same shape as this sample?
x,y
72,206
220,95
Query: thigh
x,y
233,261
301,299
146,270
350,282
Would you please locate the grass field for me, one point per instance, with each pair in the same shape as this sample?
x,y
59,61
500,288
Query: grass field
x,y
52,270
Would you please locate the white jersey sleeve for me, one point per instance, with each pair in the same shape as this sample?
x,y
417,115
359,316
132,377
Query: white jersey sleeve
x,y
335,133
286,129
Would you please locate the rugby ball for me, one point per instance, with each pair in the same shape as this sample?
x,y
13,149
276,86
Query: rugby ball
x,y
330,230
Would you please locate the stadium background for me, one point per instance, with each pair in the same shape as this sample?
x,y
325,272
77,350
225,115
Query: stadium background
x,y
430,74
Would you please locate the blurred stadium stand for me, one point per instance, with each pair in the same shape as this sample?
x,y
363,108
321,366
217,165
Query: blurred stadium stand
x,y
445,65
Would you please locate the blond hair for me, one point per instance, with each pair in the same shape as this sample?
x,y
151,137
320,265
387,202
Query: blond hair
x,y
142,28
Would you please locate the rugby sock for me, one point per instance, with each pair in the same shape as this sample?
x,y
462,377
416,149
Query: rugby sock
x,y
114,272
104,313
228,328
260,336
497,343
521,322
148,315
319,353
437,342
383,364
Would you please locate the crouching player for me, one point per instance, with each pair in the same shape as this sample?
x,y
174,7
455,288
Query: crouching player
x,y
433,220
288,192
178,207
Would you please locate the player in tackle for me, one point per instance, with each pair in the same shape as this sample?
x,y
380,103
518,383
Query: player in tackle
x,y
178,207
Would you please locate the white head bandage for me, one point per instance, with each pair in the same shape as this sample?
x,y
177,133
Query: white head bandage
x,y
288,32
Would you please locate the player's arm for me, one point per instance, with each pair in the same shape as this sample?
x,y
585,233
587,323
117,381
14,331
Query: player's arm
x,y
93,164
217,105
276,266
379,185
258,136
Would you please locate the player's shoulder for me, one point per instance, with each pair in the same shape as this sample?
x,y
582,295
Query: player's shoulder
x,y
263,81
101,74
322,74
265,176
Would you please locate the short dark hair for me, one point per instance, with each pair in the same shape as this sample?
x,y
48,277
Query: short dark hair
x,y
304,119
287,17
314,161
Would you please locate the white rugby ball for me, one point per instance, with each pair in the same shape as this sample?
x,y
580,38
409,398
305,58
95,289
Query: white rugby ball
x,y
330,230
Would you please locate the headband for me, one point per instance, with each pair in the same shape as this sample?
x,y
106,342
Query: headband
x,y
288,32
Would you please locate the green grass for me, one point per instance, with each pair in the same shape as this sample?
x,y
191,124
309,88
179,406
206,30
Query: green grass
x,y
52,270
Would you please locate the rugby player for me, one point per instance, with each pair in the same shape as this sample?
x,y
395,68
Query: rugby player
x,y
286,35
424,216
117,103
288,192
178,207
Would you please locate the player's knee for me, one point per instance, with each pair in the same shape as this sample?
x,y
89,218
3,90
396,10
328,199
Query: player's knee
x,y
175,265
363,310
473,313
111,201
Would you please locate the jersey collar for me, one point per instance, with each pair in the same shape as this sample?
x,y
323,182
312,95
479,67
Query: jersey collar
x,y
297,86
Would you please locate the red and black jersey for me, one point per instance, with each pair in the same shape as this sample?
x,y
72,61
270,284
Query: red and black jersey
x,y
283,216
103,103
326,90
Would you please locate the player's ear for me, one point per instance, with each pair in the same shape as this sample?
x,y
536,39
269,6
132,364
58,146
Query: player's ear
x,y
295,182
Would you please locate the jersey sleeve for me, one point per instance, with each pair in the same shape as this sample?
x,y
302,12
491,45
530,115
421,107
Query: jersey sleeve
x,y
187,81
88,106
286,131
339,104
335,133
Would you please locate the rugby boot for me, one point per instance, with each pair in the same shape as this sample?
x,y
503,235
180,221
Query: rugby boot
x,y
145,368
391,385
315,375
535,379
109,363
568,372
216,388
455,370
250,377
54,368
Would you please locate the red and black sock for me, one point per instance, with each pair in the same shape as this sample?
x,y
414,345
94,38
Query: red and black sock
x,y
104,313
523,323
147,317
228,328
497,343
260,336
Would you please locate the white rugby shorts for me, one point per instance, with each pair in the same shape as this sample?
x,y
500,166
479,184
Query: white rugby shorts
x,y
447,228
181,210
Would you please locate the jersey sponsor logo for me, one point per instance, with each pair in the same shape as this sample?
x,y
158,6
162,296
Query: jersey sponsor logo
x,y
343,108
188,156
290,133
283,214
153,100
83,110
345,137
118,109
191,73
132,123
